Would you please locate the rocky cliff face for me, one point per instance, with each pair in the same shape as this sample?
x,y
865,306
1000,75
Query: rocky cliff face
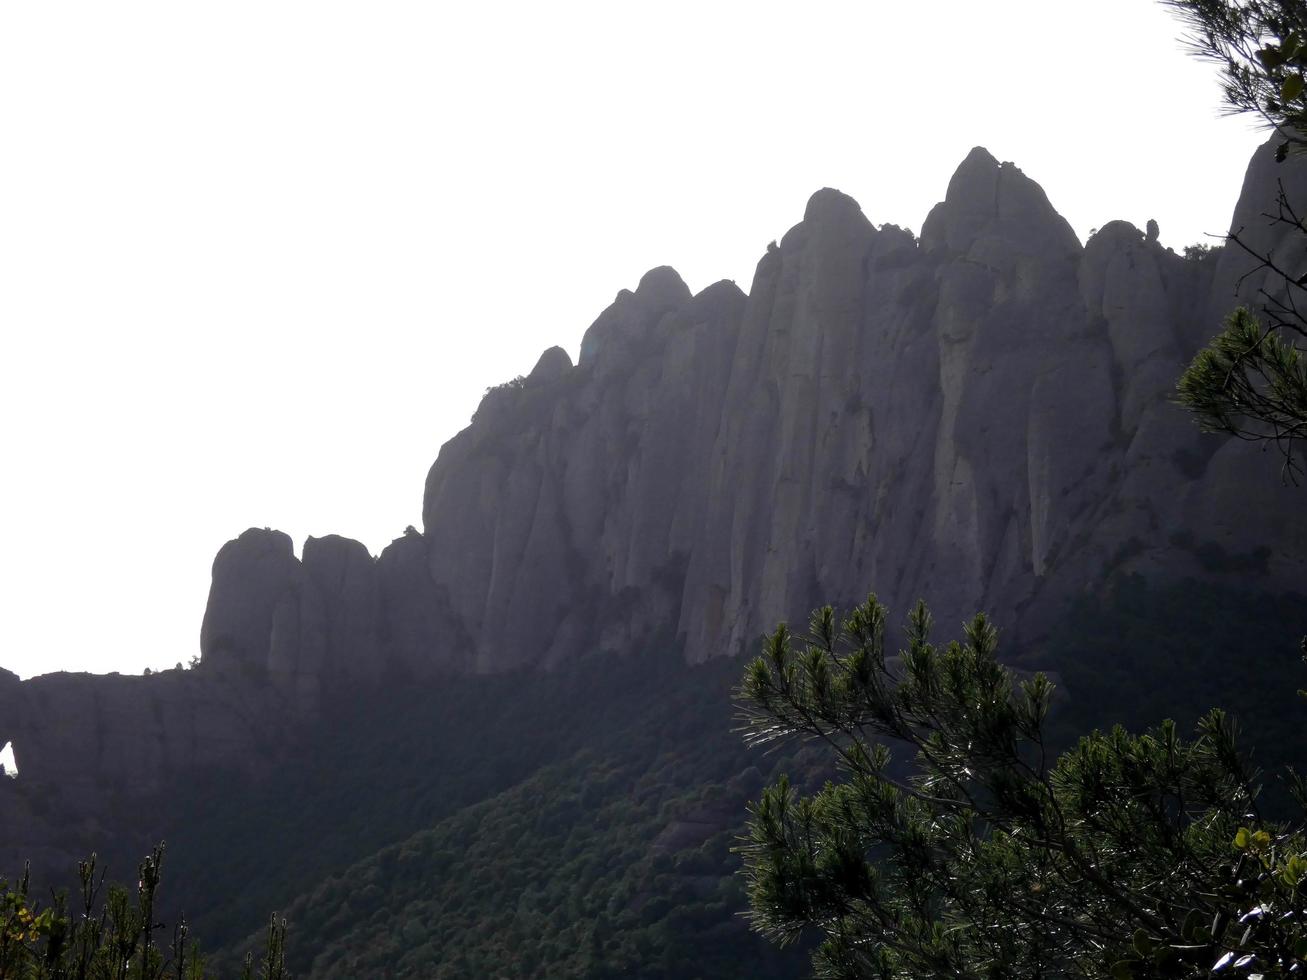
x,y
91,748
978,416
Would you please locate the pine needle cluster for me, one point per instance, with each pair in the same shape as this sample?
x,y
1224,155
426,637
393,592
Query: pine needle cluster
x,y
1129,855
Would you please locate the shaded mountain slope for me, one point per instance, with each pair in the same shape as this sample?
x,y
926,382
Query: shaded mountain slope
x,y
613,859
573,824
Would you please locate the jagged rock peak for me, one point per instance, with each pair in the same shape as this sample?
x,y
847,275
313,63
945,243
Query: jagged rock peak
x,y
261,541
250,575
663,284
1114,235
724,292
715,307
1262,180
632,315
832,218
553,363
1260,232
988,200
830,204
334,551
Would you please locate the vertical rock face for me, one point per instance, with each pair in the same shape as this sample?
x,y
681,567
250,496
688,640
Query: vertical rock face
x,y
1240,512
1265,231
264,616
346,582
335,617
90,747
1007,454
252,576
418,634
981,417
578,493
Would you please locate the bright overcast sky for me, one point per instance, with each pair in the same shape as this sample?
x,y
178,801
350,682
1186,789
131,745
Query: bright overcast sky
x,y
259,260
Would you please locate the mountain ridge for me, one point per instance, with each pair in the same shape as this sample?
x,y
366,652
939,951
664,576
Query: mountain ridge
x,y
979,416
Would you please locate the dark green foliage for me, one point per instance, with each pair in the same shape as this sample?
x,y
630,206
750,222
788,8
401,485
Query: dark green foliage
x,y
1129,855
1249,382
1260,48
566,875
111,935
1140,652
1200,252
575,823
512,384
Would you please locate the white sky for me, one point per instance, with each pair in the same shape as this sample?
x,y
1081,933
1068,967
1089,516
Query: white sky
x,y
7,759
258,260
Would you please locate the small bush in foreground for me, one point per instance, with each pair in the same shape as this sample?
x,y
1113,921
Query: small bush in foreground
x,y
110,935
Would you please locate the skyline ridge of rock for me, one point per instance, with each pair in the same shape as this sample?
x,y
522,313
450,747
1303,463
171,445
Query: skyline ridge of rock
x,y
980,416
989,206
537,524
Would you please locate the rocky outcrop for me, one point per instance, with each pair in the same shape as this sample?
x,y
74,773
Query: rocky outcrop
x,y
346,584
92,750
981,417
76,730
264,616
419,634
561,520
336,617
1265,232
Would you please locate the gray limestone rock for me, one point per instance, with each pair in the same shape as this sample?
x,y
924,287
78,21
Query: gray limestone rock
x,y
1123,284
994,212
251,576
91,746
418,632
622,329
552,365
1257,224
347,595
264,617
981,417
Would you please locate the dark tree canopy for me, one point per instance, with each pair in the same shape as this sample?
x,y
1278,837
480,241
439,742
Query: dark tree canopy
x,y
109,933
1129,855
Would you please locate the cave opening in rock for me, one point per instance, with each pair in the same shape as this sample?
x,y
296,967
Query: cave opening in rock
x,y
8,763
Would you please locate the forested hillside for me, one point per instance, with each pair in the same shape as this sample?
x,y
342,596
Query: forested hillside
x,y
577,823
581,822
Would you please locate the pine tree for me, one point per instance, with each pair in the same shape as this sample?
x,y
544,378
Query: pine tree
x,y
1129,855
